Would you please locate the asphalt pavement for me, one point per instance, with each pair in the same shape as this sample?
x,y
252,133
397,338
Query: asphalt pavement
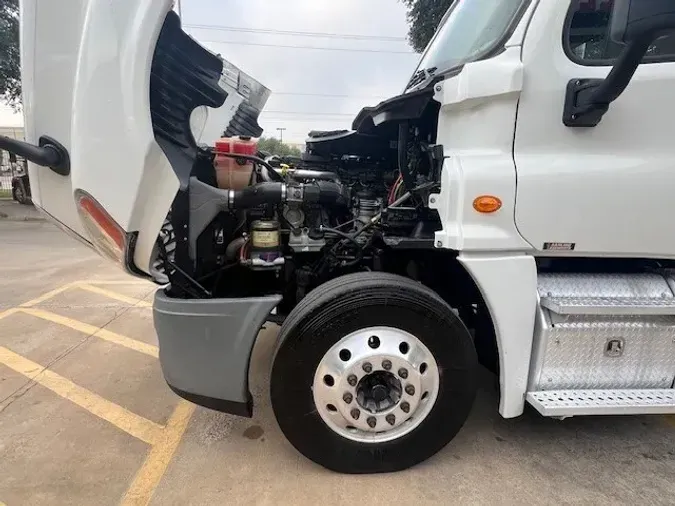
x,y
86,418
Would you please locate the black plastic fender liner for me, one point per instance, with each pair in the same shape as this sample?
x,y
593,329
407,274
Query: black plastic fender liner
x,y
184,76
244,122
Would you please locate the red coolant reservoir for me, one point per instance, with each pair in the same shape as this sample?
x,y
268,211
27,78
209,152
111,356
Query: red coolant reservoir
x,y
231,173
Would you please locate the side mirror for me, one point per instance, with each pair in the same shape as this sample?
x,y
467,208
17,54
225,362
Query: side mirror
x,y
636,24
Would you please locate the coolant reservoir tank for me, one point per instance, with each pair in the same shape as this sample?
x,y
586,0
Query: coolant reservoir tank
x,y
233,174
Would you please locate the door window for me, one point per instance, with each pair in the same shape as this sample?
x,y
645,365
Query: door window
x,y
587,40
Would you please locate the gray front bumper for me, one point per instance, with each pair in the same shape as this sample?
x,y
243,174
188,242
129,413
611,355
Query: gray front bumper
x,y
205,347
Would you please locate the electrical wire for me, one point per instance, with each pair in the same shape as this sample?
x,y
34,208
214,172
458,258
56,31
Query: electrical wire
x,y
309,113
284,46
345,224
330,95
242,251
399,189
349,238
341,234
398,184
271,31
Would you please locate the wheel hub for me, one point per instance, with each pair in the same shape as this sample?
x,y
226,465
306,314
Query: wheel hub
x,y
376,384
378,391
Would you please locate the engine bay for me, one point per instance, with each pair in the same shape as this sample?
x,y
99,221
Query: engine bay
x,y
245,223
258,224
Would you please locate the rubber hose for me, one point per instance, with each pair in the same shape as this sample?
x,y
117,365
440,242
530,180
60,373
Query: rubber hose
x,y
325,193
256,195
233,248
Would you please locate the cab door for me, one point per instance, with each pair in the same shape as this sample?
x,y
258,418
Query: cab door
x,y
605,190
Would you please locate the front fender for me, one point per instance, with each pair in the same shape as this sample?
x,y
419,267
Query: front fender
x,y
205,347
508,284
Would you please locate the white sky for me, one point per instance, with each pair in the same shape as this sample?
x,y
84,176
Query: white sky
x,y
8,118
365,77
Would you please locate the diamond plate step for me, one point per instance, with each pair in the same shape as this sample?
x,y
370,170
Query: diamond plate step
x,y
621,306
602,402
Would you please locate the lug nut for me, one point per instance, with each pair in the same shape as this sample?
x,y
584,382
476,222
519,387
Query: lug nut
x,y
386,365
372,422
403,373
391,419
348,398
352,379
410,390
405,407
368,367
355,414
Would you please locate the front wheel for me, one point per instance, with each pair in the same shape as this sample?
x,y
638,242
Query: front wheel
x,y
374,373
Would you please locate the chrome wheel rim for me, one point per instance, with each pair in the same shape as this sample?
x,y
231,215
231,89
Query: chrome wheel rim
x,y
376,385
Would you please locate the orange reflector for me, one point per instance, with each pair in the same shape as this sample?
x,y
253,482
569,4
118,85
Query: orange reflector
x,y
107,237
487,204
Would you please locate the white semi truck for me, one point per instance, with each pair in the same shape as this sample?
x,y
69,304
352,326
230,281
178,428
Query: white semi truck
x,y
512,207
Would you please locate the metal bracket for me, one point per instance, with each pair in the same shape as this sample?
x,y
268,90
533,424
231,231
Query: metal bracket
x,y
579,111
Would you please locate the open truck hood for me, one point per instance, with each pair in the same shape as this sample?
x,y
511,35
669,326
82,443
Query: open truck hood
x,y
126,96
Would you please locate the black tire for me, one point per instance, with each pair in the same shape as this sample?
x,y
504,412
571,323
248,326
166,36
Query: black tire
x,y
345,305
19,194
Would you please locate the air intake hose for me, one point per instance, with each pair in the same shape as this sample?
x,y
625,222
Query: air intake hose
x,y
326,193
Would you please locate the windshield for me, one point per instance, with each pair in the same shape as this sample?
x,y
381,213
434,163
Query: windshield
x,y
470,30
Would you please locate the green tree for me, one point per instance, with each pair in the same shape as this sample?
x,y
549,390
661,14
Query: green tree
x,y
424,17
10,61
274,146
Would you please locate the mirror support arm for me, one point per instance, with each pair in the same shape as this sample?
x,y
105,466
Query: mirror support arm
x,y
588,100
50,153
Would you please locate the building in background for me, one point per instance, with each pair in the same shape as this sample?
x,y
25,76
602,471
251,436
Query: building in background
x,y
297,145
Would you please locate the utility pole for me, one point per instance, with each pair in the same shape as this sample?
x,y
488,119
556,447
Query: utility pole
x,y
281,132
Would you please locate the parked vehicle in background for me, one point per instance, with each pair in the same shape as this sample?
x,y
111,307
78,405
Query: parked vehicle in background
x,y
20,182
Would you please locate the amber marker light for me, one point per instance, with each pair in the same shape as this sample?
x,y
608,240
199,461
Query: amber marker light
x,y
487,204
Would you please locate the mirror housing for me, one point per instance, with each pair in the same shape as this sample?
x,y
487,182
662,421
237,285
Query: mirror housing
x,y
636,24
633,20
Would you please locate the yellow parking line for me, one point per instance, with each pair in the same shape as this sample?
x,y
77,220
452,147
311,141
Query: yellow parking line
x,y
104,334
6,313
150,474
114,295
42,298
123,419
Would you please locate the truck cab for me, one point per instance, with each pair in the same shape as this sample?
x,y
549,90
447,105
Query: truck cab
x,y
509,208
